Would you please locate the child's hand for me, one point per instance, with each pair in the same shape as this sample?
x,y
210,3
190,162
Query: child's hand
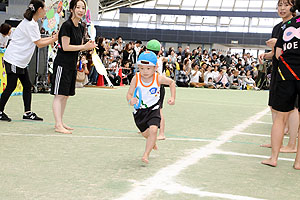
x,y
133,101
171,101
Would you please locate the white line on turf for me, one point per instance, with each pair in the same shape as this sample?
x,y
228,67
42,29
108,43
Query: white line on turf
x,y
164,176
250,155
258,135
261,122
174,188
103,137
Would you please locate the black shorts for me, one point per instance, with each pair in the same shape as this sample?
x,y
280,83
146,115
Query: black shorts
x,y
63,81
162,96
272,87
286,93
144,118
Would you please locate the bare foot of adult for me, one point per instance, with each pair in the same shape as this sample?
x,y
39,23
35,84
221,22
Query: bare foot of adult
x,y
62,130
269,162
288,149
68,127
296,166
266,145
161,137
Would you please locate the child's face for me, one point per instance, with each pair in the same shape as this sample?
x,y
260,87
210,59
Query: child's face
x,y
83,58
147,71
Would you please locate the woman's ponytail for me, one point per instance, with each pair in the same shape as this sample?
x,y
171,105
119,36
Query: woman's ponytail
x,y
33,8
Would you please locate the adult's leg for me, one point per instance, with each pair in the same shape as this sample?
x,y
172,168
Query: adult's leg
x,y
10,87
63,108
161,135
276,138
58,111
273,112
24,78
293,124
297,160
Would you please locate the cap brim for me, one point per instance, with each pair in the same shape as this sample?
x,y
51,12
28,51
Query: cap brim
x,y
145,63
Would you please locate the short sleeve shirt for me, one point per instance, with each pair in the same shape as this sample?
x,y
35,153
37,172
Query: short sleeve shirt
x,y
289,42
22,46
275,34
69,59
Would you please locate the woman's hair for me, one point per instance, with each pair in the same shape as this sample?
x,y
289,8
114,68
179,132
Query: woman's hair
x,y
296,6
127,47
33,8
73,5
5,28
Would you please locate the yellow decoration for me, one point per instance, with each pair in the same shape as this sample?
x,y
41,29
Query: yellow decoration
x,y
3,80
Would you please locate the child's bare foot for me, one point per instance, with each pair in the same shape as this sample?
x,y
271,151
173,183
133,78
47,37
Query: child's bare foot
x,y
155,147
269,162
288,149
296,166
161,137
62,130
145,160
68,127
266,145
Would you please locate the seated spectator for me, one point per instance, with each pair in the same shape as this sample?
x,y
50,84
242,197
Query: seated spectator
x,y
208,78
235,82
222,80
128,73
183,79
113,74
215,73
239,65
195,77
250,83
242,71
215,61
5,30
82,72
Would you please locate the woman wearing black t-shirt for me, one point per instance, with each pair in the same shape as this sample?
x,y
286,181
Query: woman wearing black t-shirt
x,y
70,41
284,12
287,83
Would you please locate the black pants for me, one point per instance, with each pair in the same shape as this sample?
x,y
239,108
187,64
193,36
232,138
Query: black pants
x,y
182,84
12,80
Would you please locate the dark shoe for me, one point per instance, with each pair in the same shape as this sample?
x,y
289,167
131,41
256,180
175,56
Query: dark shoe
x,y
31,116
4,117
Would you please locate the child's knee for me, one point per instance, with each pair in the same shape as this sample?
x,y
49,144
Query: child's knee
x,y
153,129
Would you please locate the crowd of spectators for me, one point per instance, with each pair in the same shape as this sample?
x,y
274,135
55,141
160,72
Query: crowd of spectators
x,y
189,68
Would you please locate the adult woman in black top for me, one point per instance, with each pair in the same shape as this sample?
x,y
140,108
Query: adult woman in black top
x,y
284,12
70,41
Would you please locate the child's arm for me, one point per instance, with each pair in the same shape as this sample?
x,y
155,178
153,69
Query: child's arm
x,y
130,92
167,81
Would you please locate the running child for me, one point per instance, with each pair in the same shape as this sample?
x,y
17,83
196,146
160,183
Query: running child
x,y
288,84
18,54
147,117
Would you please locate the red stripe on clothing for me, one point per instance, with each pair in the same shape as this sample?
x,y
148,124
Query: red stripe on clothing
x,y
289,68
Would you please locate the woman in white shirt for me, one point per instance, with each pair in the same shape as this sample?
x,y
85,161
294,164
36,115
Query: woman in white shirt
x,y
18,54
5,30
